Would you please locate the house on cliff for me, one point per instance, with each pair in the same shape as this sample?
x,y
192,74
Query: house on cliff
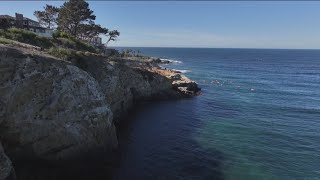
x,y
21,22
94,41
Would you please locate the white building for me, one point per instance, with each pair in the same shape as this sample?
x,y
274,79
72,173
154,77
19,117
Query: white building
x,y
95,41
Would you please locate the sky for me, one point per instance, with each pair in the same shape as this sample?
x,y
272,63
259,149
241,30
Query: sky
x,y
213,24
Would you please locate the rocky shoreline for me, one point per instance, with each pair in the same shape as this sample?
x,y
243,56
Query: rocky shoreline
x,y
65,111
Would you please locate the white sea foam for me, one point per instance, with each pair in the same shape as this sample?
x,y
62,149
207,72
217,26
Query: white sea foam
x,y
182,70
172,60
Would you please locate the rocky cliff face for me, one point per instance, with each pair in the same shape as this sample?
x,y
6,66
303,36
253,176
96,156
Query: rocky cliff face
x,y
6,169
122,82
51,109
55,110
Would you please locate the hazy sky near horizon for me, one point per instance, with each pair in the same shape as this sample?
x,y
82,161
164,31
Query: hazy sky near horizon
x,y
249,24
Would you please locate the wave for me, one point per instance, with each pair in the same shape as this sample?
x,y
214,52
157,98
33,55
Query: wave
x,y
172,61
182,70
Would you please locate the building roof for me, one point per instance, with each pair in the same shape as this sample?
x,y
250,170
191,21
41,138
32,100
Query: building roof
x,y
10,17
24,18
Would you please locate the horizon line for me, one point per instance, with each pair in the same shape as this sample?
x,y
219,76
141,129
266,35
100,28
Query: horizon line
x,y
214,47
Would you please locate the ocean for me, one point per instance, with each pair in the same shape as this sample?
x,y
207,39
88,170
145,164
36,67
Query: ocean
x,y
258,118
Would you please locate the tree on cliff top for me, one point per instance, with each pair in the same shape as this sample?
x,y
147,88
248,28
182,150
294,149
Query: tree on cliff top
x,y
73,14
91,30
113,35
48,17
77,19
6,21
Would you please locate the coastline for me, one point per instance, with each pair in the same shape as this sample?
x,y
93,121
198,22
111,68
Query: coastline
x,y
73,106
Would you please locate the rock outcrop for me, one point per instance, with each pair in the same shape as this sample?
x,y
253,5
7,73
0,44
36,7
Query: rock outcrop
x,y
55,110
124,81
185,85
179,82
160,61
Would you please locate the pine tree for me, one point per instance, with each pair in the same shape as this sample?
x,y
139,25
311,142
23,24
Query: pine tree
x,y
113,35
72,14
48,17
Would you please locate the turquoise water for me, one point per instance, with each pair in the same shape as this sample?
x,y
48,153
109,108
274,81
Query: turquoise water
x,y
258,118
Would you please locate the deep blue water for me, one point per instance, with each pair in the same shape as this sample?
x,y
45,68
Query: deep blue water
x,y
258,118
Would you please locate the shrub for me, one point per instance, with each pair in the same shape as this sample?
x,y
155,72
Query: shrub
x,y
65,40
83,46
65,43
60,39
62,53
61,34
5,41
26,37
43,42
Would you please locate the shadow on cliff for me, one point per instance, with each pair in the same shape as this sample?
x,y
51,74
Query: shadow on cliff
x,y
156,140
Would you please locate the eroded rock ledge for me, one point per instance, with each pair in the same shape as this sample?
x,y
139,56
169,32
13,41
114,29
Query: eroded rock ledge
x,y
56,110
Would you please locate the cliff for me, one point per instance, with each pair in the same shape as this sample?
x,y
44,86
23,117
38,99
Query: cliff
x,y
6,169
60,111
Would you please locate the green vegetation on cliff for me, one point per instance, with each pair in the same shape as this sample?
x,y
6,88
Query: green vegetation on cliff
x,y
60,39
75,31
26,37
62,45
